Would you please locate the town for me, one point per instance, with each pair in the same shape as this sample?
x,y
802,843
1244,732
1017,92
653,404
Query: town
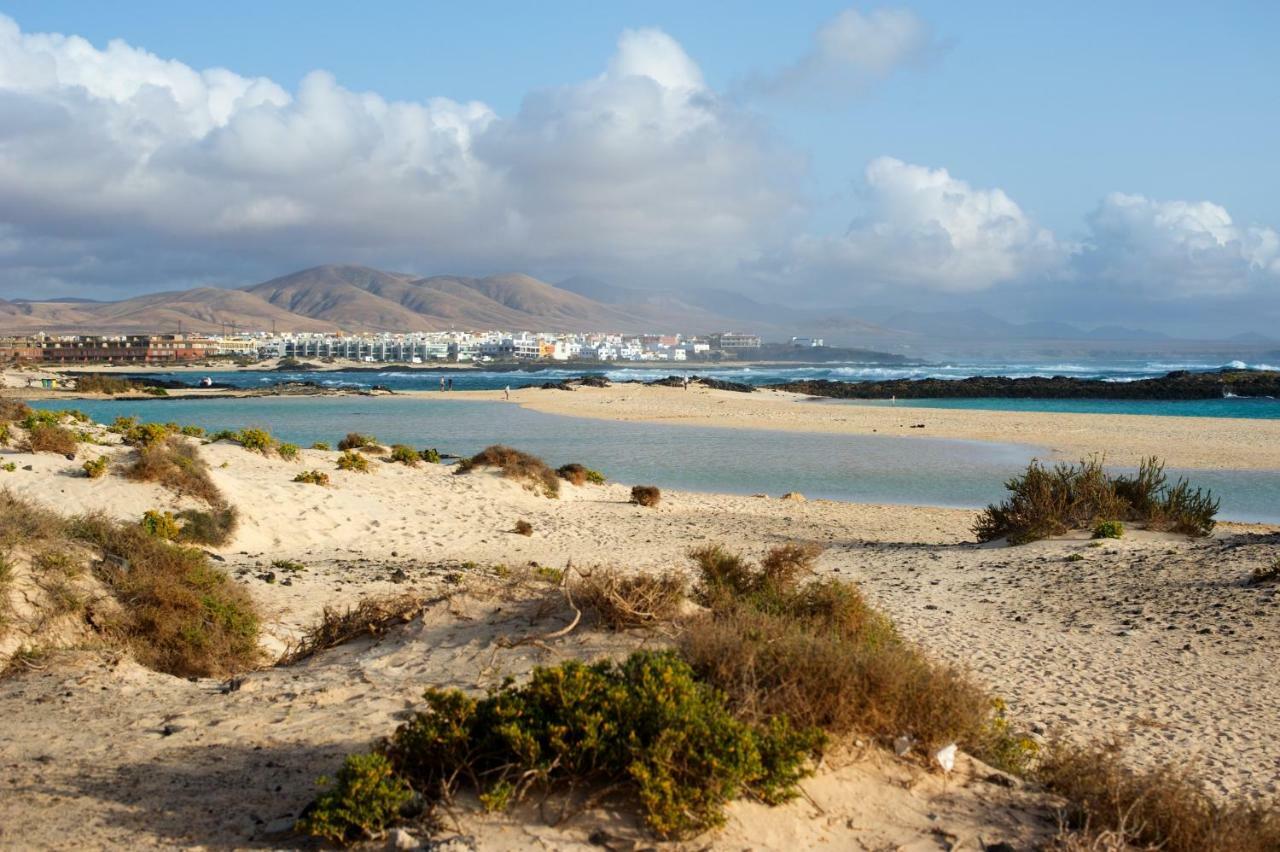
x,y
415,348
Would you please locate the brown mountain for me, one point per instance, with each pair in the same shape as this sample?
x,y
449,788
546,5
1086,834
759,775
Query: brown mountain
x,y
359,299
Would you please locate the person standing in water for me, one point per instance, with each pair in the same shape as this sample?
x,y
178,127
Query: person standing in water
x,y
442,384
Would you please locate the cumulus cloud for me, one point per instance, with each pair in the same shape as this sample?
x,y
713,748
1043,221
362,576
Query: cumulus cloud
x,y
1176,249
928,230
117,166
854,50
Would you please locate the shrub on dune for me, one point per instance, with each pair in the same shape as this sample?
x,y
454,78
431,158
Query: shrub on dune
x,y
177,465
357,441
517,465
312,477
405,455
625,601
646,495
96,468
213,526
577,474
353,461
44,438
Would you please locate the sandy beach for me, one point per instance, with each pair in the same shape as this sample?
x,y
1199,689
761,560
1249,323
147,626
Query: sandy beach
x,y
1154,638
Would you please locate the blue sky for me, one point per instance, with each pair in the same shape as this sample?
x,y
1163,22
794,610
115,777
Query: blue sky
x,y
1056,106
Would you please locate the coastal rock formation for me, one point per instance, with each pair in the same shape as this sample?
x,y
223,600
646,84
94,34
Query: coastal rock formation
x,y
1180,384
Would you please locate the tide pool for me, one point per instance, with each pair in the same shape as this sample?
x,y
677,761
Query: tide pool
x,y
857,468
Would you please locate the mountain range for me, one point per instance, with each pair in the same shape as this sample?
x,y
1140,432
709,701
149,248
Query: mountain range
x,y
357,299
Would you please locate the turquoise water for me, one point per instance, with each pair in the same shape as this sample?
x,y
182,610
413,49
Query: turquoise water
x,y
1250,409
860,468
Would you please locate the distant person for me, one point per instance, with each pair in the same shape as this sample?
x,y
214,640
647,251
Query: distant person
x,y
442,384
506,392
686,382
451,384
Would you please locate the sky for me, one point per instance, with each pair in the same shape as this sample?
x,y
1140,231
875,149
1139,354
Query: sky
x,y
1098,162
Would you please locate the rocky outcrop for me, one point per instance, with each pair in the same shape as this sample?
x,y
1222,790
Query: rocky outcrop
x,y
1181,384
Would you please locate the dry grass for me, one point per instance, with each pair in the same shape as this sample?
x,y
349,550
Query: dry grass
x,y
44,438
357,441
13,409
1164,807
179,614
817,653
523,528
177,465
577,474
369,617
625,601
646,495
213,527
517,465
23,522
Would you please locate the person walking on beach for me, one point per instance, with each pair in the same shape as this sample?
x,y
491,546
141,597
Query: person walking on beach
x,y
451,384
442,384
686,382
506,392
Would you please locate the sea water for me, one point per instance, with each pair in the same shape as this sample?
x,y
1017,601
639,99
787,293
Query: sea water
x,y
859,468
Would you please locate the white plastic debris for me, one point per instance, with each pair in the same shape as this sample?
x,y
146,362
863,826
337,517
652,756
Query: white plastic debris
x,y
903,744
946,757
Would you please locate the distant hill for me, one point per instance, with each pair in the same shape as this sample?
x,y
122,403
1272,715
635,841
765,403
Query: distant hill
x,y
362,299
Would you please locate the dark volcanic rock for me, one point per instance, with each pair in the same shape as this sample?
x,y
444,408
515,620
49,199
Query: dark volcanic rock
x,y
714,384
1180,384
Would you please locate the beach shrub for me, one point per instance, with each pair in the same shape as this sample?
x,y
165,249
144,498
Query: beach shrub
x,y
353,461
357,441
9,467
365,797
371,616
517,465
152,390
161,525
288,452
1108,529
1265,574
644,725
1164,808
313,477
43,438
625,601
320,445
817,653
213,527
13,409
430,456
405,455
256,440
646,495
1045,502
122,424
96,468
177,465
146,434
5,435
523,528
192,431
42,417
580,475
99,383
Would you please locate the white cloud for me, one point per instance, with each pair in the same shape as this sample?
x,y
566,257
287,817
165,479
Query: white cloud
x,y
147,166
1176,249
926,229
854,50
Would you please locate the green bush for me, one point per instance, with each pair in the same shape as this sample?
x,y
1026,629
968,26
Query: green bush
x,y
150,390
96,468
1108,529
146,434
320,445
312,477
1046,502
364,798
646,725
353,461
405,455
288,452
5,435
192,431
37,417
161,525
257,440
430,456
580,475
122,424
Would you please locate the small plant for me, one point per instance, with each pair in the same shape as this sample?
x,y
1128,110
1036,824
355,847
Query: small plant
x,y
146,434
430,456
161,525
372,616
1075,557
8,467
579,475
646,495
517,465
214,526
1265,574
288,452
1108,529
291,566
122,424
405,455
43,438
353,461
96,468
357,441
176,464
523,528
5,435
622,602
312,477
192,431
364,798
257,440
320,445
